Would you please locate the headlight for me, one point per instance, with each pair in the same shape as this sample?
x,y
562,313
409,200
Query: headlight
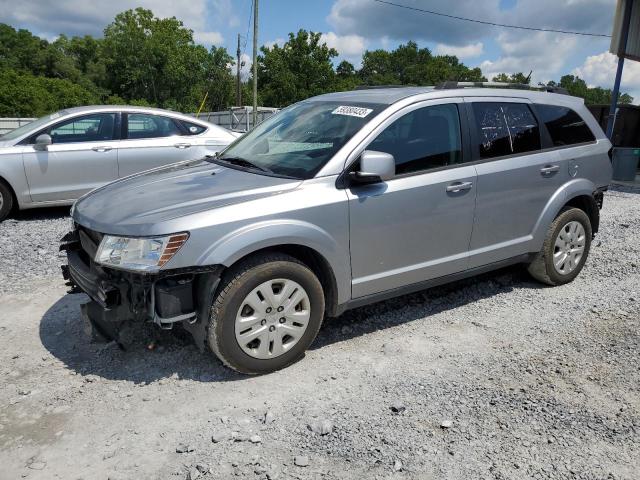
x,y
141,254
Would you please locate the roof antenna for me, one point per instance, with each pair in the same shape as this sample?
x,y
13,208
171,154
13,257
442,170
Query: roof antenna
x,y
528,79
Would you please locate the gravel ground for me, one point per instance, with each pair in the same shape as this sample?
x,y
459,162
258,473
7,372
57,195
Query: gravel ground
x,y
29,246
495,377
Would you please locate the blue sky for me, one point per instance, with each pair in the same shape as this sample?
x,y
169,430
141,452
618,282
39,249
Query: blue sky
x,y
352,26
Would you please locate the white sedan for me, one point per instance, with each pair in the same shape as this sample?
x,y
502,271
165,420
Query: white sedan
x,y
59,157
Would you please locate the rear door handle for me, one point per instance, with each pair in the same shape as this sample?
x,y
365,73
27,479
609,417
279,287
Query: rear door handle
x,y
182,145
101,149
546,170
459,186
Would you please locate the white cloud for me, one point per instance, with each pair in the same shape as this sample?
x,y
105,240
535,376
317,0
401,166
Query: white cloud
x,y
82,17
351,46
208,38
373,20
467,51
599,70
278,41
543,53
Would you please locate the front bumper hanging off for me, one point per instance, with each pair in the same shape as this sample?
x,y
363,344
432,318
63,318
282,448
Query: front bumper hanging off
x,y
118,298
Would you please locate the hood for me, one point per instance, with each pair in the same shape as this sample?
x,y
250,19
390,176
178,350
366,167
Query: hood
x,y
139,204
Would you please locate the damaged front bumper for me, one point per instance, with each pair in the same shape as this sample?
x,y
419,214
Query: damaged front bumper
x,y
118,298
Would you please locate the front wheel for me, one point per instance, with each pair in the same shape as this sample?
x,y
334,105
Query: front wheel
x,y
565,248
6,201
267,313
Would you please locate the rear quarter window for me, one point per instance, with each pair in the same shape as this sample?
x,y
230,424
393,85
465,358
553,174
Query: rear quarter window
x,y
565,126
192,128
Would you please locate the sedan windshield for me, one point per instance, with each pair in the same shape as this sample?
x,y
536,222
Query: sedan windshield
x,y
29,127
298,141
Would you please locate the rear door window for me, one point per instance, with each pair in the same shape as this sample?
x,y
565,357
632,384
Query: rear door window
x,y
505,129
565,126
144,125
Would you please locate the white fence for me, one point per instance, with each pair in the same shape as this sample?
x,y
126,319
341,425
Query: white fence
x,y
236,118
8,124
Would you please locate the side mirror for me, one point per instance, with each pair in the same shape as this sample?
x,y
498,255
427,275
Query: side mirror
x,y
42,142
374,167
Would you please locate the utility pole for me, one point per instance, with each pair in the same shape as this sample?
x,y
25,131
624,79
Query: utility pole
x,y
255,62
622,48
238,84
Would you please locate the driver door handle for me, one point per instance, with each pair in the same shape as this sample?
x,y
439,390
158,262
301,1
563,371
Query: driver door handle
x,y
182,145
101,149
459,187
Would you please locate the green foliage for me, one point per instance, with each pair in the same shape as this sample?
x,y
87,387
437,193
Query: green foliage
x,y
301,68
20,50
156,60
142,60
410,65
25,95
518,77
592,95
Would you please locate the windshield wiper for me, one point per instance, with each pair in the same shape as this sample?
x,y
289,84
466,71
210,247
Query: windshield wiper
x,y
243,162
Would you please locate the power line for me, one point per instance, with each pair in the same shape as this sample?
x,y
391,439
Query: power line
x,y
246,37
431,12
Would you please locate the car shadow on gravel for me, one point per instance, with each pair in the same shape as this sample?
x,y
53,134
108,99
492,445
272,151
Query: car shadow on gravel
x,y
48,213
174,355
155,354
425,303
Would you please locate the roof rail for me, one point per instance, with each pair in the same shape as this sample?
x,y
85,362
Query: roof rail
x,y
373,87
515,86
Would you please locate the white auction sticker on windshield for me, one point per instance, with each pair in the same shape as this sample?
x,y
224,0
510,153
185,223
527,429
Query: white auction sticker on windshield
x,y
359,112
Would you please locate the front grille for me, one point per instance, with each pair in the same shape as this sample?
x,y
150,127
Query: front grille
x,y
90,240
93,235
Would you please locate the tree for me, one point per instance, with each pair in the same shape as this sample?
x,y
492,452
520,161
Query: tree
x,y
410,65
157,60
21,50
518,77
217,84
23,94
592,95
300,69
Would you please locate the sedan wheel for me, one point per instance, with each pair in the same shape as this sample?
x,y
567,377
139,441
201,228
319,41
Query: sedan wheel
x,y
6,200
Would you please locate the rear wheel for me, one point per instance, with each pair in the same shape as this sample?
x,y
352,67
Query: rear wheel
x,y
565,248
6,200
268,312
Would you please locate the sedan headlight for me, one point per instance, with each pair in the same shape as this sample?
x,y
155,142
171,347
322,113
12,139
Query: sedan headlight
x,y
141,254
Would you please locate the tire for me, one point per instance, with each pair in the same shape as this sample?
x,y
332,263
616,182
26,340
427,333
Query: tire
x,y
6,200
543,268
263,282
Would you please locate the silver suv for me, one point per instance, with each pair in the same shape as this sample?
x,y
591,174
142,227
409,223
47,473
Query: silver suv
x,y
339,201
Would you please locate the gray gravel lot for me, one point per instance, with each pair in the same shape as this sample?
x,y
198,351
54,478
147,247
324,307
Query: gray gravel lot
x,y
29,246
495,377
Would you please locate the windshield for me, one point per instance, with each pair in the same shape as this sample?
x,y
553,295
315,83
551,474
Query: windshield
x,y
29,127
298,141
